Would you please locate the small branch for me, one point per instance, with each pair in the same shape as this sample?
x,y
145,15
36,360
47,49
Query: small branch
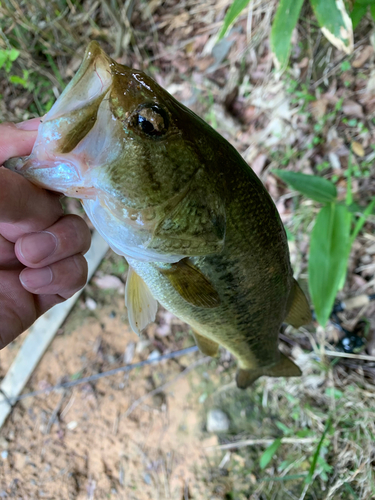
x,y
257,442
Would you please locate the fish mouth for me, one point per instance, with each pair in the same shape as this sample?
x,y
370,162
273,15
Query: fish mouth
x,y
92,80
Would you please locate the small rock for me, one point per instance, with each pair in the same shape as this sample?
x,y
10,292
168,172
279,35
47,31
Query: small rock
x,y
91,304
217,421
4,445
71,425
108,281
4,454
154,355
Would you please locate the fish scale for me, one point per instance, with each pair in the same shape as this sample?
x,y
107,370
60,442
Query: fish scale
x,y
200,232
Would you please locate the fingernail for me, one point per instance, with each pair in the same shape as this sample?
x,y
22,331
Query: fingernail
x,y
35,247
32,124
36,278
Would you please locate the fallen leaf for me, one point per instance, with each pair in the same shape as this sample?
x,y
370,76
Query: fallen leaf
x,y
319,108
365,54
352,108
357,148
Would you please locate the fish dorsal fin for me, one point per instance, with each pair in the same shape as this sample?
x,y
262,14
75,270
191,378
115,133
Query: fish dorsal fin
x,y
141,304
299,310
191,284
195,225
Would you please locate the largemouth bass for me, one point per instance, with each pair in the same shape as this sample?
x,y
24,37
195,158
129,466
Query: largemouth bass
x,y
200,232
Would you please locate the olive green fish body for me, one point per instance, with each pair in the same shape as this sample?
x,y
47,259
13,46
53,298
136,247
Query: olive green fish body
x,y
198,228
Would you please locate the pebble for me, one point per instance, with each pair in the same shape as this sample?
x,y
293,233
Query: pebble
x,y
71,425
91,304
217,421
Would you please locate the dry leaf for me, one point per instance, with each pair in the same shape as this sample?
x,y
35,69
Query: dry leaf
x,y
366,52
319,108
357,148
352,108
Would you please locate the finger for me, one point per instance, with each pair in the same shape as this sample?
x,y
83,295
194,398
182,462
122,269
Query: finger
x,y
68,236
63,278
8,259
17,310
32,124
25,208
15,141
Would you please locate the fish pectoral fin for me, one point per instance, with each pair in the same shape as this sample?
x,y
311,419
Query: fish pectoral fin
x,y
141,304
205,345
195,225
299,310
284,368
191,284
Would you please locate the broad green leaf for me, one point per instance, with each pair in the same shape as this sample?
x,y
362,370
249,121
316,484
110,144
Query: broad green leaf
x,y
328,257
233,12
357,13
13,54
312,186
335,23
269,453
284,22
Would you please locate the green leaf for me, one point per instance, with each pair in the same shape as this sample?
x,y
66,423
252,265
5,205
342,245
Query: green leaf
x,y
316,454
372,10
328,257
233,12
269,453
13,54
284,22
3,57
312,186
18,80
361,221
335,23
357,13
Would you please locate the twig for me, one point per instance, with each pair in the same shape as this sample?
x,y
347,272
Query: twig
x,y
55,412
337,354
256,442
139,401
97,376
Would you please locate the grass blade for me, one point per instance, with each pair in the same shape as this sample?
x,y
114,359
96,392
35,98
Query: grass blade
x,y
233,12
328,257
361,221
335,23
284,22
312,186
316,454
269,453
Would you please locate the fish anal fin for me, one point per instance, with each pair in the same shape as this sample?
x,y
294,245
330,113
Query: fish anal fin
x,y
205,345
284,368
191,284
141,305
299,310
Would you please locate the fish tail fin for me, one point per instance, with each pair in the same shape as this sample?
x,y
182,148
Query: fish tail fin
x,y
299,310
284,368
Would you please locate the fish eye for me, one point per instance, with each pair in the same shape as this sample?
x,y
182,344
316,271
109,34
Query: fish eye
x,y
152,120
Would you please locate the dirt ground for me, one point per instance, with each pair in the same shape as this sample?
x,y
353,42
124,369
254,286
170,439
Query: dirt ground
x,y
80,444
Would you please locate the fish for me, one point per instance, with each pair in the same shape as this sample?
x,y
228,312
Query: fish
x,y
200,232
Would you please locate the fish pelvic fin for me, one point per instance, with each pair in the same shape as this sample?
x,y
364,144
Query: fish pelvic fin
x,y
206,346
284,368
299,310
191,284
141,305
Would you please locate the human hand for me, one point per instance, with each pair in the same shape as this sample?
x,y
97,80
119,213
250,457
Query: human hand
x,y
41,261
